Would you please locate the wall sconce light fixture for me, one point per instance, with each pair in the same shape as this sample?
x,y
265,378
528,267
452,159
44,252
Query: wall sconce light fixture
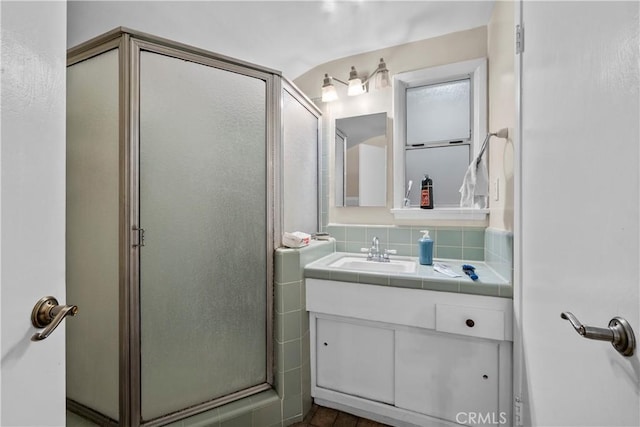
x,y
355,84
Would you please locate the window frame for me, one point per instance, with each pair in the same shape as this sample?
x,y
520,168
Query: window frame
x,y
476,70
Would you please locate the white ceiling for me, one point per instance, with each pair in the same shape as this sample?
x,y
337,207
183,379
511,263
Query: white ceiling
x,y
290,36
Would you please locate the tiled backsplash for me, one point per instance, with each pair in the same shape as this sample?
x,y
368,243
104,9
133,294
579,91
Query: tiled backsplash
x,y
499,252
466,243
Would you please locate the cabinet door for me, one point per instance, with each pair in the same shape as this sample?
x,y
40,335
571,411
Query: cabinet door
x,y
447,376
355,359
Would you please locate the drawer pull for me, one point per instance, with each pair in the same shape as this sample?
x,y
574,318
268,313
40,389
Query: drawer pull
x,y
470,323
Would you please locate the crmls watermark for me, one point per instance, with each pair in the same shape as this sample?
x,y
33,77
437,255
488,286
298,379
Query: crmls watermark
x,y
480,418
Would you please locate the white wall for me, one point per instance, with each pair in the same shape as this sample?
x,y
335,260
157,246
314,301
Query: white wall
x,y
32,208
502,113
450,48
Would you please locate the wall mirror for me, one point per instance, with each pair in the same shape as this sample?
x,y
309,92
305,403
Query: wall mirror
x,y
361,160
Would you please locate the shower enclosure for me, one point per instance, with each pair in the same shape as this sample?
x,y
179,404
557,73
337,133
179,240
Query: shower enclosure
x,y
174,189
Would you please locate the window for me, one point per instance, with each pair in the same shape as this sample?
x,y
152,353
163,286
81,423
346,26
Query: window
x,y
440,116
438,126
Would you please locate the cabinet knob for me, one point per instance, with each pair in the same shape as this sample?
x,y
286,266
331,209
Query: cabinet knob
x,y
470,323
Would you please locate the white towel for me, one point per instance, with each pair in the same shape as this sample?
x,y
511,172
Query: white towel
x,y
474,192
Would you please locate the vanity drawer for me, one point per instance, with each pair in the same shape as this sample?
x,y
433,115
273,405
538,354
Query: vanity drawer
x,y
472,321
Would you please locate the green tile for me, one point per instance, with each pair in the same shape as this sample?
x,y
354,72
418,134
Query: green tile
x,y
278,327
279,355
402,250
448,252
505,291
449,286
400,236
306,348
316,251
278,383
241,421
401,282
317,273
291,326
292,383
478,288
290,296
356,234
449,238
306,378
473,238
337,232
373,279
344,276
267,415
473,254
205,419
235,409
355,247
341,246
382,233
287,267
292,355
264,398
292,406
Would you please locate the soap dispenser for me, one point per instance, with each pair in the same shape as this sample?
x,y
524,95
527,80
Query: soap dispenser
x,y
425,249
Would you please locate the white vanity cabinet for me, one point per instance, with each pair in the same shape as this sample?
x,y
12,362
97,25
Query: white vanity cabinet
x,y
442,375
355,359
410,357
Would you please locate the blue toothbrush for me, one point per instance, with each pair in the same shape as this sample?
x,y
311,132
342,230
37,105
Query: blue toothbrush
x,y
470,271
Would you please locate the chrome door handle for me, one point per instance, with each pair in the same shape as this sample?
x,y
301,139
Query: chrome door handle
x,y
48,314
619,333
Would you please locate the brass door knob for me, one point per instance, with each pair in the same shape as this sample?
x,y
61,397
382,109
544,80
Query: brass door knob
x,y
48,314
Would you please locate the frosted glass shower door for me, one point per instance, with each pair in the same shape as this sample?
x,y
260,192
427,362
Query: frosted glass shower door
x,y
203,206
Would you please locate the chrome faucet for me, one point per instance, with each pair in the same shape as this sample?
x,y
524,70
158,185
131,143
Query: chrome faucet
x,y
374,252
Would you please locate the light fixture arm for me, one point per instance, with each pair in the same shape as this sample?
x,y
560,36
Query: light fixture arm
x,y
355,84
340,81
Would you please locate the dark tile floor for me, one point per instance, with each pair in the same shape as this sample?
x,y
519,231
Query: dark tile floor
x,y
320,416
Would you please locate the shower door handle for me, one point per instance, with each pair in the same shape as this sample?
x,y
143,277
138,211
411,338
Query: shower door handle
x,y
619,333
48,314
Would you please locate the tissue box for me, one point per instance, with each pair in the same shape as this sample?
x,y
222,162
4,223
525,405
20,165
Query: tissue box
x,y
297,239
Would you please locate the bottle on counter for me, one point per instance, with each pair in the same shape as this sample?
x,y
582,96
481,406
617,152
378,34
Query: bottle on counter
x,y
426,194
425,249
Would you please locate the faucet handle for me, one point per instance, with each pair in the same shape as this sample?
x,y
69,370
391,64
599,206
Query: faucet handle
x,y
388,252
364,249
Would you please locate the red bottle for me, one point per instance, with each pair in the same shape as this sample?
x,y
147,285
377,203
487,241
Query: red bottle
x,y
426,194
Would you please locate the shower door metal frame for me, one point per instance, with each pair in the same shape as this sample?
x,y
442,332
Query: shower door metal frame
x,y
303,99
129,44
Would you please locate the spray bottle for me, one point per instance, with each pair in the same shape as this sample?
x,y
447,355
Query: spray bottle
x,y
425,248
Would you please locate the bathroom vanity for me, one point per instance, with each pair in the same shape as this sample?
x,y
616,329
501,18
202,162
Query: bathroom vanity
x,y
410,348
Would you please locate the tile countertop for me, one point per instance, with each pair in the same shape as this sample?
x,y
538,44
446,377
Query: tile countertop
x,y
489,282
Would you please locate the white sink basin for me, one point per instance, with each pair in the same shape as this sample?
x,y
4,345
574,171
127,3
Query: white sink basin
x,y
361,264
